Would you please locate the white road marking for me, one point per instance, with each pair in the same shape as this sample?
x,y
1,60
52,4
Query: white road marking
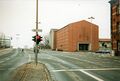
x,y
86,69
80,59
7,69
1,61
96,78
6,59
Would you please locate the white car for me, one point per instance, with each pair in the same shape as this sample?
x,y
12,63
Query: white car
x,y
103,51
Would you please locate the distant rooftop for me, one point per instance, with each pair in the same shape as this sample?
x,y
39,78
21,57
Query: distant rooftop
x,y
105,40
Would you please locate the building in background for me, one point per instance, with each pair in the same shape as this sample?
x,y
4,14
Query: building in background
x,y
5,41
52,39
115,25
104,44
78,36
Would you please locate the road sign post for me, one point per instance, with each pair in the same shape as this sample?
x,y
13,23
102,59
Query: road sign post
x,y
36,30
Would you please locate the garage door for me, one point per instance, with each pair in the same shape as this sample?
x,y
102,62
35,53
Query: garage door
x,y
83,47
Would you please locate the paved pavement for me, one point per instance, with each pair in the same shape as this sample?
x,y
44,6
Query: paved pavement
x,y
32,72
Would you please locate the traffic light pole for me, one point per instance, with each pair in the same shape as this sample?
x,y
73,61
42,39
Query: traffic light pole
x,y
36,16
36,47
36,54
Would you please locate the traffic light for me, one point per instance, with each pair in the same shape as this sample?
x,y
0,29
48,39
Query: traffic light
x,y
38,39
34,38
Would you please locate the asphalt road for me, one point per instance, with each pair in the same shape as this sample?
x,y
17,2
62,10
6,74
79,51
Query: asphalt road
x,y
64,66
80,66
9,60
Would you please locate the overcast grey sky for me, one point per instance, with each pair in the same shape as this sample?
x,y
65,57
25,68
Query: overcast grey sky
x,y
18,16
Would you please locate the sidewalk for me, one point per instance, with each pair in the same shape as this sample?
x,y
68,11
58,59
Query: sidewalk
x,y
31,72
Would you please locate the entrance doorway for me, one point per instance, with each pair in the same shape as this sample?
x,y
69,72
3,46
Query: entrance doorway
x,y
84,47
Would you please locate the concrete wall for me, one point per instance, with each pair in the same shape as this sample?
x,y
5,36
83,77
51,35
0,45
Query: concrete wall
x,y
52,38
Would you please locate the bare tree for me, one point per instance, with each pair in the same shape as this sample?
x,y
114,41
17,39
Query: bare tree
x,y
46,42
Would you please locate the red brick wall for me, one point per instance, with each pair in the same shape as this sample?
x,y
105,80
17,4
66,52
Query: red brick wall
x,y
69,37
62,39
114,29
115,20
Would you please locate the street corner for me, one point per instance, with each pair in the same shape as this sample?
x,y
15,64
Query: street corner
x,y
31,72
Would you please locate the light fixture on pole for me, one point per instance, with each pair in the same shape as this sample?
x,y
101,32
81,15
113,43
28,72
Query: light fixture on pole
x,y
91,18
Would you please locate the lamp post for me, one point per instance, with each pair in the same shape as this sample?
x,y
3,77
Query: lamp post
x,y
91,18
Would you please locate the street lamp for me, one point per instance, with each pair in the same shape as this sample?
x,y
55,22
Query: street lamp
x,y
91,18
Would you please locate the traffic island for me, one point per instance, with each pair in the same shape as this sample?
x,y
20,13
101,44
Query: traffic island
x,y
32,72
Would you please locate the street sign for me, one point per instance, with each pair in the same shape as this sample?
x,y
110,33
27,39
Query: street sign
x,y
36,30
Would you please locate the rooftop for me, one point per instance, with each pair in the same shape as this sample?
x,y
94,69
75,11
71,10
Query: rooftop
x,y
105,40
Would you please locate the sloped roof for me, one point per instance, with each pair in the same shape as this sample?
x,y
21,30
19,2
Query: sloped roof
x,y
77,22
84,21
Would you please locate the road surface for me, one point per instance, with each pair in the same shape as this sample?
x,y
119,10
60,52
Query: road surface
x,y
10,59
80,66
64,66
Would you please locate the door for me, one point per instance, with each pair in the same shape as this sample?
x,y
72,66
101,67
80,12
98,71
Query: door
x,y
83,47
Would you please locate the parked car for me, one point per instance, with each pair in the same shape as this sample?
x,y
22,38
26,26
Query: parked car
x,y
104,51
